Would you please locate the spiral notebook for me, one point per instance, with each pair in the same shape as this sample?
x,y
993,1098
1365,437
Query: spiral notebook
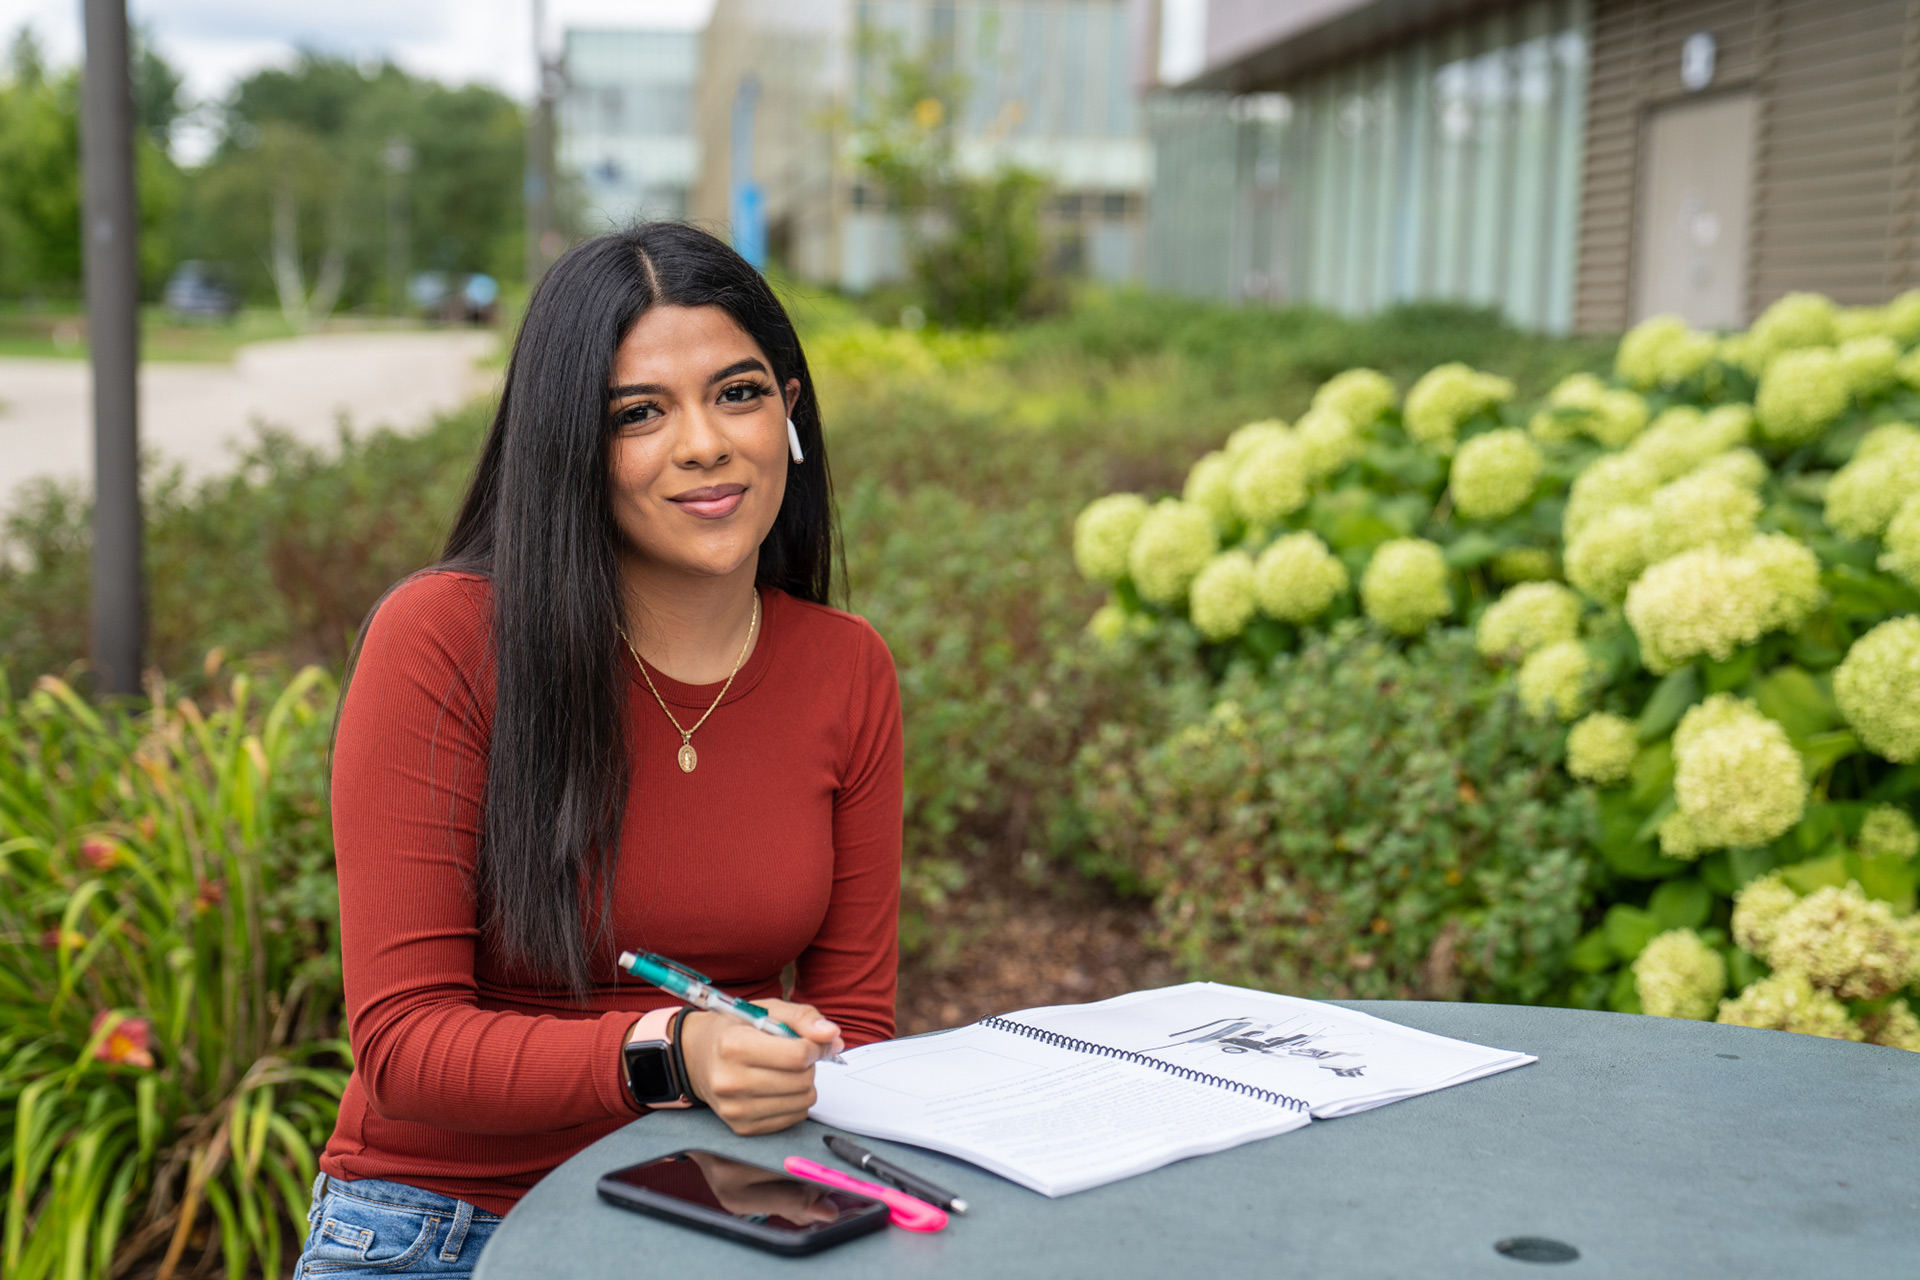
x,y
1068,1097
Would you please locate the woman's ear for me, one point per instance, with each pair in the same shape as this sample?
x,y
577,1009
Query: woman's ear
x,y
791,394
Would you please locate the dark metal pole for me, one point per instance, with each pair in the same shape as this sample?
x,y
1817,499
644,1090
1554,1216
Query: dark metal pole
x,y
110,243
539,177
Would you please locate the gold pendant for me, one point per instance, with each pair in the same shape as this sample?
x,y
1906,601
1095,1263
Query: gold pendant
x,y
688,757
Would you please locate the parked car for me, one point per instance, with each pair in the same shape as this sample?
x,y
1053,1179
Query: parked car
x,y
196,291
453,298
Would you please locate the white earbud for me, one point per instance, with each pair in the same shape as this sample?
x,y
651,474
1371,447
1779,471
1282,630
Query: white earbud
x,y
793,442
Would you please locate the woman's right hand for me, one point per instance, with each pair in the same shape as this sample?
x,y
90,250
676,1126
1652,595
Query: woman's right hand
x,y
755,1082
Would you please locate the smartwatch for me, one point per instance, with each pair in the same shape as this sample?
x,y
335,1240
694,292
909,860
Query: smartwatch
x,y
656,1071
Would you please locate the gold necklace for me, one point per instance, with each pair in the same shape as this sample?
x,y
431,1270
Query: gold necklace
x,y
689,758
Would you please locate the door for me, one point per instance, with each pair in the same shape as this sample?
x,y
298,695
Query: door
x,y
1696,197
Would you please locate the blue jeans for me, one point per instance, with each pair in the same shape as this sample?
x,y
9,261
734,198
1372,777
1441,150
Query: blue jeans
x,y
370,1227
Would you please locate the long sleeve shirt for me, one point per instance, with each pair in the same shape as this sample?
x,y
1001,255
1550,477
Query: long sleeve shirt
x,y
782,847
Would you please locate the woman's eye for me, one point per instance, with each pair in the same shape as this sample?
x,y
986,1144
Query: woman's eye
x,y
741,393
633,414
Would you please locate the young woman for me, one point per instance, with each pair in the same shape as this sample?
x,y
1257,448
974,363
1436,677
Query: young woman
x,y
617,715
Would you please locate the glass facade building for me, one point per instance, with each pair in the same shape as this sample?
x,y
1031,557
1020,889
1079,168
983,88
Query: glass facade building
x,y
1446,167
626,136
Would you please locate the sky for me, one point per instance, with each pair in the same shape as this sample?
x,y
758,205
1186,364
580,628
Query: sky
x,y
217,42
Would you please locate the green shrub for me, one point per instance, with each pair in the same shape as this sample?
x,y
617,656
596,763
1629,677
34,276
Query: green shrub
x,y
1738,628
1359,820
169,979
286,554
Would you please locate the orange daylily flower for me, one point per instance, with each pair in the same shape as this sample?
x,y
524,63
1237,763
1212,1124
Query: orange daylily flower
x,y
128,1040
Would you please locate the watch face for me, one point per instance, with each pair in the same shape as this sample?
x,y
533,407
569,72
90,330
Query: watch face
x,y
648,1075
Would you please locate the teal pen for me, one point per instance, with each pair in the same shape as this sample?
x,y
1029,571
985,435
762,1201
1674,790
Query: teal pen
x,y
698,990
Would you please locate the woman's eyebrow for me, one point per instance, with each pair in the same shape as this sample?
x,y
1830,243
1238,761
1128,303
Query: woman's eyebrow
x,y
749,365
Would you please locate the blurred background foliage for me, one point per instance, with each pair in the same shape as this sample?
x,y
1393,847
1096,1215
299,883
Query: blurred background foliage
x,y
306,165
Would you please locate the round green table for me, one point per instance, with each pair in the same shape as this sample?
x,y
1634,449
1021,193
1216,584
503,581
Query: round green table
x,y
1652,1147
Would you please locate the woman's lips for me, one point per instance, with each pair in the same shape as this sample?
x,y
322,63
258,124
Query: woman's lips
x,y
712,502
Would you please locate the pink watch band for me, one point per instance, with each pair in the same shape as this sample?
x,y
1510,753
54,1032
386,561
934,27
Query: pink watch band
x,y
657,1024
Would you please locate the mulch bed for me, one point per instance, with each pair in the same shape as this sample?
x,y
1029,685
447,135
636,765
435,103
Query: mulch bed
x,y
1016,942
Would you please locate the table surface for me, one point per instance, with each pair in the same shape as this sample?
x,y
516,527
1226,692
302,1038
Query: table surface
x,y
1655,1147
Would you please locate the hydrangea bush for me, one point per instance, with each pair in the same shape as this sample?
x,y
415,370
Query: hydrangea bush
x,y
1704,567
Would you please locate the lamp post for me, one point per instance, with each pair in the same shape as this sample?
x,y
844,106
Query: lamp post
x,y
539,178
111,247
397,157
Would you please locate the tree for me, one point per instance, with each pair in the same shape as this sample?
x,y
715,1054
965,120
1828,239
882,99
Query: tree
x,y
40,158
300,182
975,241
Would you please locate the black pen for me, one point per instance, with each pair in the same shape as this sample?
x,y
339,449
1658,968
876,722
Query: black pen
x,y
893,1175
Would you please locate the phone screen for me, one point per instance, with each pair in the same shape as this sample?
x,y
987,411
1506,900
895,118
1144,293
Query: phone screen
x,y
746,1191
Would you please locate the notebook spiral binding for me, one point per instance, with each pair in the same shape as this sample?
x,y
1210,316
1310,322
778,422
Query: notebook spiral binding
x,y
1058,1041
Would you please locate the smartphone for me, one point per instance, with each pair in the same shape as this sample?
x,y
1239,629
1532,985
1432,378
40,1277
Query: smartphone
x,y
762,1207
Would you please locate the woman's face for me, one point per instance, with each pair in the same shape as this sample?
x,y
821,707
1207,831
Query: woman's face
x,y
697,460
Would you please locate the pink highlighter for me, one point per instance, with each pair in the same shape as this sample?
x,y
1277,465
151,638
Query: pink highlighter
x,y
912,1214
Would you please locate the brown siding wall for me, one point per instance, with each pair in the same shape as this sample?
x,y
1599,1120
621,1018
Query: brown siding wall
x,y
1836,201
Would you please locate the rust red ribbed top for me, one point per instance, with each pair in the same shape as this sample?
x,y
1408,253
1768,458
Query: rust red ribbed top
x,y
783,846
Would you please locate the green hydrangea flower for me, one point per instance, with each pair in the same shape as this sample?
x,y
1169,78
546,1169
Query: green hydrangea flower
x,y
1358,395
1530,616
1871,364
1568,405
1683,438
1902,538
1736,776
1788,1002
1757,909
1713,601
1888,435
1884,472
1271,482
1677,975
1790,572
1795,321
1523,564
1844,942
1900,318
1888,832
1908,370
1801,394
1617,419
1174,544
1894,1027
1330,439
1742,466
1700,510
1493,474
1616,480
1558,679
1662,352
1601,748
1878,688
1221,601
1404,588
1245,440
1679,839
1447,396
1297,578
1111,622
1210,485
1103,533
1611,552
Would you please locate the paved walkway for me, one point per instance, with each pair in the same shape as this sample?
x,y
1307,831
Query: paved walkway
x,y
194,414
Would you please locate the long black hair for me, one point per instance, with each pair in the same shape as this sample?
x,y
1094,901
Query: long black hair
x,y
538,521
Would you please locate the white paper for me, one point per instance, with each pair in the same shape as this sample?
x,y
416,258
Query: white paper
x,y
1055,1120
1338,1061
1061,1119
